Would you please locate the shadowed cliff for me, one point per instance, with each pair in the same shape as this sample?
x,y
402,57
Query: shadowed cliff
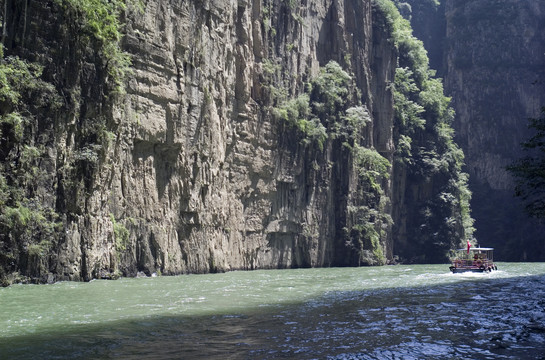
x,y
491,54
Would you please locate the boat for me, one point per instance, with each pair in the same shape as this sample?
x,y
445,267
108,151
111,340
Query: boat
x,y
473,259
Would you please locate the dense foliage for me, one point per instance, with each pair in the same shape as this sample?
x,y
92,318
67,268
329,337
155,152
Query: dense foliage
x,y
425,150
530,170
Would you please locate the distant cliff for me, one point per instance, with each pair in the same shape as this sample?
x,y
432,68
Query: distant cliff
x,y
492,55
203,136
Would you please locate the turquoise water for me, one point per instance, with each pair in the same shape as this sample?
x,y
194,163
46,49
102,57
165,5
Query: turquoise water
x,y
390,312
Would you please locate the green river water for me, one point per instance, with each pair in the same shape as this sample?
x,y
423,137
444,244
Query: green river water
x,y
389,312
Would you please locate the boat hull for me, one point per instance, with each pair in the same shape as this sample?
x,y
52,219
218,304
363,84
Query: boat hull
x,y
457,270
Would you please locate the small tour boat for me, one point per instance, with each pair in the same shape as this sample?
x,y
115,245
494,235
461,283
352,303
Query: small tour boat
x,y
473,259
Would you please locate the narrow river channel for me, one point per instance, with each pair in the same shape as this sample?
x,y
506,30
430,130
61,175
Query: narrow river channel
x,y
390,312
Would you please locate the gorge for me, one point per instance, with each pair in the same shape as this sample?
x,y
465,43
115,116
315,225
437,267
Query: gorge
x,y
199,136
492,57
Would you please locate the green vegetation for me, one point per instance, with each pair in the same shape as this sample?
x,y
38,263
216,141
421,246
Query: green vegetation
x,y
369,218
31,105
28,228
529,171
296,112
425,148
372,166
121,235
99,26
324,109
330,112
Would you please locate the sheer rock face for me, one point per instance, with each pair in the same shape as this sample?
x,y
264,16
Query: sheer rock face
x,y
197,170
495,73
492,56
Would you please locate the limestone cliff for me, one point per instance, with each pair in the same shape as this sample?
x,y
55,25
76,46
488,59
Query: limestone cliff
x,y
193,168
209,180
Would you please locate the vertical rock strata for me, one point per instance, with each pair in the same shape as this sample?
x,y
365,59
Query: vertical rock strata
x,y
492,56
495,72
190,170
206,179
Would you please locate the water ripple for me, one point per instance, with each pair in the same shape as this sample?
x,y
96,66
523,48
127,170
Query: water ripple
x,y
416,312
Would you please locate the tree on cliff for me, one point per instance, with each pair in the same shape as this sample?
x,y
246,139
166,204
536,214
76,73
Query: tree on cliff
x,y
529,172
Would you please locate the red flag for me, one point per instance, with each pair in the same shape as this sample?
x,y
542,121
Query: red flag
x,y
468,246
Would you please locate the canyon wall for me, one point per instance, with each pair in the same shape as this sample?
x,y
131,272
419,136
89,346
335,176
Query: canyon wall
x,y
496,76
191,165
492,56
